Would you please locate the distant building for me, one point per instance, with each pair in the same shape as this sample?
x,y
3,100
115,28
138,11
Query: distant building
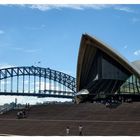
x,y
102,71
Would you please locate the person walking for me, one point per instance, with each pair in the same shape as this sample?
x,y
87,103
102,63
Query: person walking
x,y
80,130
67,131
24,113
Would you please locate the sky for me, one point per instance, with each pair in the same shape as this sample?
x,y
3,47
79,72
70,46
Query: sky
x,y
51,34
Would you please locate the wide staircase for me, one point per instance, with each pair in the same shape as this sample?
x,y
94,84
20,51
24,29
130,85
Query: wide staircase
x,y
96,119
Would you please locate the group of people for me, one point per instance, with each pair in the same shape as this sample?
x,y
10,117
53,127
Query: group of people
x,y
21,114
80,128
27,106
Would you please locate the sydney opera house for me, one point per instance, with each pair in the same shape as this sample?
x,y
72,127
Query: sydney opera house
x,y
103,72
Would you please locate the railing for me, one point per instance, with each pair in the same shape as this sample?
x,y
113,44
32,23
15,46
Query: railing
x,y
6,109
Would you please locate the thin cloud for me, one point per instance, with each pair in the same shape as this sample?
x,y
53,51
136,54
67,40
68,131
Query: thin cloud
x,y
134,20
5,65
137,53
1,32
57,6
70,6
124,9
26,50
47,7
30,50
16,48
36,28
125,47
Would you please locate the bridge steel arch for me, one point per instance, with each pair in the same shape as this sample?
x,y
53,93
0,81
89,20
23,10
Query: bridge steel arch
x,y
46,73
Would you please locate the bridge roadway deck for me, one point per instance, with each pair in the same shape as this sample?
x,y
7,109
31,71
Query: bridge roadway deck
x,y
96,119
40,95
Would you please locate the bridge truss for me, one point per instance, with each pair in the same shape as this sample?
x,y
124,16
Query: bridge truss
x,y
36,81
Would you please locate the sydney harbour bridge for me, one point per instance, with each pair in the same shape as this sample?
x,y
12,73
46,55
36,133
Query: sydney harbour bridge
x,y
37,82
